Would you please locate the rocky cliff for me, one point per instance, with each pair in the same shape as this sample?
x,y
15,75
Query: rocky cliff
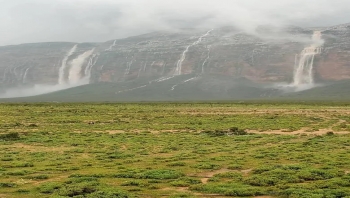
x,y
269,55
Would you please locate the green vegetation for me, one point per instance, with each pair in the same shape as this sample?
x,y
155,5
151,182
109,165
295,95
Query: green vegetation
x,y
174,150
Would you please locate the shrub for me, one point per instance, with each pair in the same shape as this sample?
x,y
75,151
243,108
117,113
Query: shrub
x,y
185,182
229,189
235,167
319,174
177,164
237,131
22,191
9,136
273,175
182,195
132,183
7,185
161,174
215,133
329,133
207,166
49,188
230,175
37,177
75,189
109,193
18,173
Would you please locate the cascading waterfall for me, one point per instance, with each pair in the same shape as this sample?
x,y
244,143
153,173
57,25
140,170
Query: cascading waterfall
x,y
76,76
16,74
178,70
128,67
206,60
92,62
25,75
61,76
75,71
112,46
303,71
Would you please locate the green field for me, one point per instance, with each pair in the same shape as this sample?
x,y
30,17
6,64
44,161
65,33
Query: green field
x,y
174,150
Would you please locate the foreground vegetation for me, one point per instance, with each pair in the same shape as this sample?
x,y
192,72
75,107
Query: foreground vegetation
x,y
174,150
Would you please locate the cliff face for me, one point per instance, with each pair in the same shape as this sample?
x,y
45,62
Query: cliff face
x,y
268,56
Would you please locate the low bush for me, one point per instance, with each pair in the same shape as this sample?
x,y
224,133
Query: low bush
x,y
237,131
9,136
161,174
49,188
7,185
229,189
185,182
206,165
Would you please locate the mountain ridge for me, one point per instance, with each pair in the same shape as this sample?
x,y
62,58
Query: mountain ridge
x,y
223,52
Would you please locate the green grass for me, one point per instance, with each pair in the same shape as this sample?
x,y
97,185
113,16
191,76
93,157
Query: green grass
x,y
155,150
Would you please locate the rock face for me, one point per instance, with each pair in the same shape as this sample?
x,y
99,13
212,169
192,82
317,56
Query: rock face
x,y
267,56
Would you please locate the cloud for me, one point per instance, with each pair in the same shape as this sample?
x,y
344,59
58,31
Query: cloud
x,y
23,21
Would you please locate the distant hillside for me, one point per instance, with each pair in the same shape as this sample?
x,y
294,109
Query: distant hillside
x,y
229,64
205,88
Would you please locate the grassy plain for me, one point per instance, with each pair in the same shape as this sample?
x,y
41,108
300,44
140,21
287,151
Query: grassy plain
x,y
174,150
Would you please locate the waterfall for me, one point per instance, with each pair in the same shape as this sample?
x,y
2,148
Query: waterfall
x,y
112,46
303,69
178,70
92,62
75,71
25,76
61,76
206,60
128,67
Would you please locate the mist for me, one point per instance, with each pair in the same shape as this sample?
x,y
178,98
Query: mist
x,y
27,21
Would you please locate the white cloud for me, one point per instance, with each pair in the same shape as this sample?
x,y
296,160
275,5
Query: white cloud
x,y
100,20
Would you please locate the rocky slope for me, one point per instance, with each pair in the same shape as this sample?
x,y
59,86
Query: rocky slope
x,y
265,56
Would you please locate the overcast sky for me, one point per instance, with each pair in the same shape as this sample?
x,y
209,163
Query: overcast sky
x,y
24,21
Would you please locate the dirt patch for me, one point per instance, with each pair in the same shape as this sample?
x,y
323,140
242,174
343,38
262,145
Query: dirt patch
x,y
36,148
299,132
60,178
246,172
115,132
3,196
207,175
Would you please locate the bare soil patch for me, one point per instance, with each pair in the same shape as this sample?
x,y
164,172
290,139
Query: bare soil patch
x,y
36,148
299,132
207,175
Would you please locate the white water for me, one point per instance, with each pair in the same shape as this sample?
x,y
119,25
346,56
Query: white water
x,y
139,72
112,46
178,70
140,87
88,68
76,76
153,64
128,67
61,76
183,82
25,76
4,76
75,71
303,71
206,60
145,66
